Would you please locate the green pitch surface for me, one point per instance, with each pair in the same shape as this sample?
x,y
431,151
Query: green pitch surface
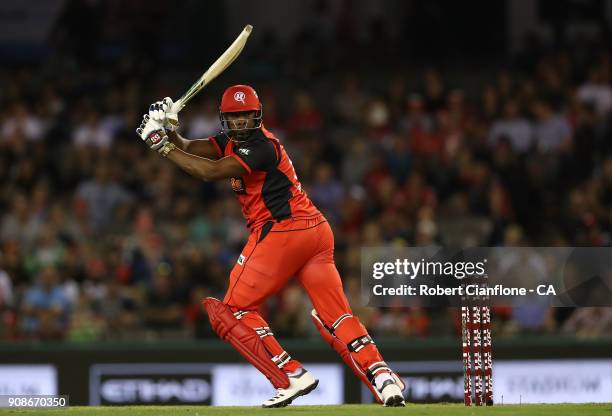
x,y
344,410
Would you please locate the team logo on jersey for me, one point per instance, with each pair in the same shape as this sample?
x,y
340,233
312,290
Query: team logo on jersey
x,y
244,151
241,260
238,185
239,96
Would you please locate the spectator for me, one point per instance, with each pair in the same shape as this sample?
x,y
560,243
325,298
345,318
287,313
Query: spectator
x,y
552,131
326,192
19,224
416,119
206,121
85,325
489,104
163,309
517,130
46,309
378,118
306,117
119,311
350,102
585,143
196,316
597,92
22,123
434,91
399,158
356,162
102,196
92,133
295,313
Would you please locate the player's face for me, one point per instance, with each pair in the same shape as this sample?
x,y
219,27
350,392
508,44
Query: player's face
x,y
241,120
241,123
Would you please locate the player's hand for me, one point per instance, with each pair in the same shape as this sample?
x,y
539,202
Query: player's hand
x,y
152,133
164,112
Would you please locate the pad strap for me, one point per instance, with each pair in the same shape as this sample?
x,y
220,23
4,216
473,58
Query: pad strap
x,y
281,359
376,368
359,343
263,332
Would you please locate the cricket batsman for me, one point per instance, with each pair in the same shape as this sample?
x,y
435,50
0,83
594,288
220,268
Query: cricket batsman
x,y
288,238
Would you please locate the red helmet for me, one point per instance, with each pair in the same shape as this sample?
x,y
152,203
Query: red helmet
x,y
240,98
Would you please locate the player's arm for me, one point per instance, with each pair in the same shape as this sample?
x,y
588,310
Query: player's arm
x,y
203,168
200,147
160,111
154,135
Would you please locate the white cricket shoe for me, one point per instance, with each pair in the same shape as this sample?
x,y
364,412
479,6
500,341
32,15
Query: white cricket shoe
x,y
390,387
300,384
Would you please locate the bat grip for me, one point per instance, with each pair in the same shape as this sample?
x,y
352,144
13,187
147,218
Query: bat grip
x,y
172,115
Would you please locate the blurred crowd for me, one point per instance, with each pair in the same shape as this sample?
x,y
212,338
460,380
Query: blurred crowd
x,y
100,238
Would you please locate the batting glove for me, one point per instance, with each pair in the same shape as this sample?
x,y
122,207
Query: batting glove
x,y
164,113
152,133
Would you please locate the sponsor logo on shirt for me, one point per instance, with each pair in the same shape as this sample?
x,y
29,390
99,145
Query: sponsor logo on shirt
x,y
238,185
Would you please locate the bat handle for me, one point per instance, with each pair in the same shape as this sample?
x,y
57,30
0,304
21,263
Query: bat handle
x,y
172,115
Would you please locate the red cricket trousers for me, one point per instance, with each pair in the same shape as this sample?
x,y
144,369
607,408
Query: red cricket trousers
x,y
304,249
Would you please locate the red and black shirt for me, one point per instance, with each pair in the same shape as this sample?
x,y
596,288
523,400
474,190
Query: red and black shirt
x,y
270,190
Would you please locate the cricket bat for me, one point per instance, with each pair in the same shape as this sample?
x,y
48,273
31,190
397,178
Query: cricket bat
x,y
211,73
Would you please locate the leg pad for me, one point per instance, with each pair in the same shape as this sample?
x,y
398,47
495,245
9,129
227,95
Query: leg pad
x,y
341,348
245,340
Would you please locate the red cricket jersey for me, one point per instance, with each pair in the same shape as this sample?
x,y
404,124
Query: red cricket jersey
x,y
270,191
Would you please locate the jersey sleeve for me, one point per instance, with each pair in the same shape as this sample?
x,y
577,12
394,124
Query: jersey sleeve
x,y
219,141
260,155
